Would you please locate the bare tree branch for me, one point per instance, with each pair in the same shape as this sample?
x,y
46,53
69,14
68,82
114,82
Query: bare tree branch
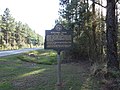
x,y
106,6
100,4
118,1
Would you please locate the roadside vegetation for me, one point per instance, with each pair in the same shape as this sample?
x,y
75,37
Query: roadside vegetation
x,y
18,73
39,57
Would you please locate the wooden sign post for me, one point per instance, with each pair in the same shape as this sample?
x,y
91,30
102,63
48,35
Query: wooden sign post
x,y
58,39
58,69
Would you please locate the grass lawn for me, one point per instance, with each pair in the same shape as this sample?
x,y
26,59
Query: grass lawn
x,y
16,74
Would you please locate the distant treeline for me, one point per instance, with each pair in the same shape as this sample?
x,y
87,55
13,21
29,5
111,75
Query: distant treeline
x,y
15,34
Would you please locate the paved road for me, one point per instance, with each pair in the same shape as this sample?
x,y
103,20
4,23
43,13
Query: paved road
x,y
11,52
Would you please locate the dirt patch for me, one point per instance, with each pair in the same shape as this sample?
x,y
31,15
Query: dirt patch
x,y
26,82
45,80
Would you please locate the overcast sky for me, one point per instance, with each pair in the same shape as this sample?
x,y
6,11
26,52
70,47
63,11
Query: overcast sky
x,y
40,15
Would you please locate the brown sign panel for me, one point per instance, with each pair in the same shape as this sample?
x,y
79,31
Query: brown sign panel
x,y
58,38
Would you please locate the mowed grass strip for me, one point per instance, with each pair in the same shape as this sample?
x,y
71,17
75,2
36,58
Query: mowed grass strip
x,y
19,75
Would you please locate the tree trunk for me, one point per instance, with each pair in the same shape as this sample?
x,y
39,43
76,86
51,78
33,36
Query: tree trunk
x,y
111,36
94,44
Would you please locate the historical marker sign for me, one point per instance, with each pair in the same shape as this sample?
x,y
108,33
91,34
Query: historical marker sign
x,y
58,38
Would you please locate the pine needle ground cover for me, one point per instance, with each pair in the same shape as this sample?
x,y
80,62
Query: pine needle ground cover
x,y
17,74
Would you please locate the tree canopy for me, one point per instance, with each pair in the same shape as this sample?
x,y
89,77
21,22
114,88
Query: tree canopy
x,y
15,34
95,36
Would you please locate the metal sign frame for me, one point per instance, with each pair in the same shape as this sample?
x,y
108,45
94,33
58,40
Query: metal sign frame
x,y
58,38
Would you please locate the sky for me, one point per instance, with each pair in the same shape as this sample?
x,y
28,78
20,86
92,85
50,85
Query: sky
x,y
40,15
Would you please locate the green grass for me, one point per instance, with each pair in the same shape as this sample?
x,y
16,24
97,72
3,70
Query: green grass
x,y
19,75
41,57
5,86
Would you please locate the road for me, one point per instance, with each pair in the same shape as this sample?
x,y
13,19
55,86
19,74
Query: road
x,y
11,52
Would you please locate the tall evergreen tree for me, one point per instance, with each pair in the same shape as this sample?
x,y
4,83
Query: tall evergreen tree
x,y
15,34
111,36
5,19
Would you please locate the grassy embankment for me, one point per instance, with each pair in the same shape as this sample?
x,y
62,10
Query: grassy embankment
x,y
39,73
